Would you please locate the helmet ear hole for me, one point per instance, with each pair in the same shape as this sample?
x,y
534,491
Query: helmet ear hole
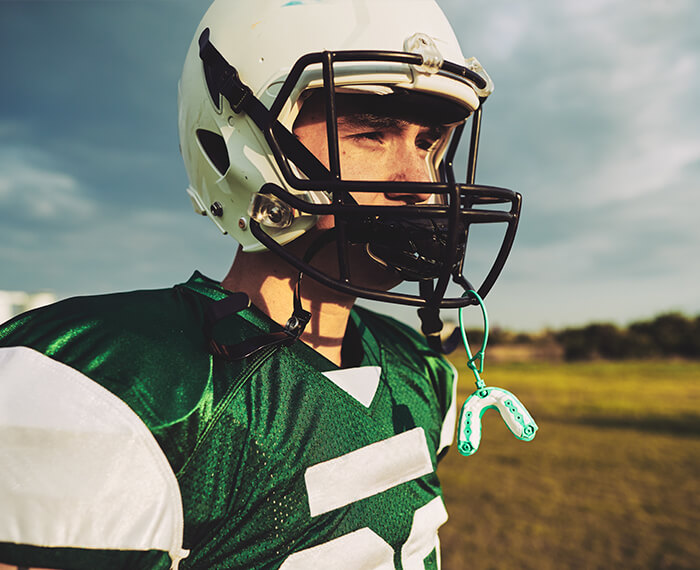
x,y
214,147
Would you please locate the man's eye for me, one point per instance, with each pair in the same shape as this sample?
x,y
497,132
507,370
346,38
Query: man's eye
x,y
374,136
426,144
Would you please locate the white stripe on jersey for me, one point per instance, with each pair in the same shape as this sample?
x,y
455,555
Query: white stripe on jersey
x,y
361,383
79,468
447,434
367,471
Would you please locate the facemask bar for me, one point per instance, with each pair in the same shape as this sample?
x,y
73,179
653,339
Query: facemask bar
x,y
340,198
458,213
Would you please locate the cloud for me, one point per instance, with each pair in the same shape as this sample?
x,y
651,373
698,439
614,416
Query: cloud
x,y
33,189
645,80
595,121
120,247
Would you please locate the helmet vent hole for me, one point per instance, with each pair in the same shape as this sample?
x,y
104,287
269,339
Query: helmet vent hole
x,y
214,147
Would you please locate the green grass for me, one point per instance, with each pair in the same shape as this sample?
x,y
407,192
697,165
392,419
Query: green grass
x,y
610,480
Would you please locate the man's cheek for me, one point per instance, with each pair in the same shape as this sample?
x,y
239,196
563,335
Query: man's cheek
x,y
325,222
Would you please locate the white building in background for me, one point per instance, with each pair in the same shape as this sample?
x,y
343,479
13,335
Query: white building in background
x,y
15,302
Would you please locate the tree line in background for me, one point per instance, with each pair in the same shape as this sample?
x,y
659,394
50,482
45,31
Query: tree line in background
x,y
665,336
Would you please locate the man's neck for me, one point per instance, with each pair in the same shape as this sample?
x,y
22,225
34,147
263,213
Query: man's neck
x,y
270,282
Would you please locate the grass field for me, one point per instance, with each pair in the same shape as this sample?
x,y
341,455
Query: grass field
x,y
610,481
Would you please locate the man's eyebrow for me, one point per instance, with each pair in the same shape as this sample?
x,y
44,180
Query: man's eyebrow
x,y
372,121
380,122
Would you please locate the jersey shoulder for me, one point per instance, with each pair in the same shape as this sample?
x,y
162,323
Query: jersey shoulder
x,y
401,341
414,366
87,332
84,376
147,347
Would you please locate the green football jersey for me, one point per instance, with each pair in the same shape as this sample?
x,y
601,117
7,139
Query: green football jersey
x,y
127,444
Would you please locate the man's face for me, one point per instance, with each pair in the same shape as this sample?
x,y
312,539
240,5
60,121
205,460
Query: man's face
x,y
379,139
392,146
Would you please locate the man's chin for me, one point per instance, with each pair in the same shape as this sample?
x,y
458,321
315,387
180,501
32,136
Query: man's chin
x,y
371,273
365,270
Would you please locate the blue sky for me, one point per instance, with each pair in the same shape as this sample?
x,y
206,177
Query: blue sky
x,y
594,120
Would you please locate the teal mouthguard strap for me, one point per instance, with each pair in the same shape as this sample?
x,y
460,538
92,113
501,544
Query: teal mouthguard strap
x,y
514,414
477,370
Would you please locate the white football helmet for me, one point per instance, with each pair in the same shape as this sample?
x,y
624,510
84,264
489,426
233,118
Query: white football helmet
x,y
248,71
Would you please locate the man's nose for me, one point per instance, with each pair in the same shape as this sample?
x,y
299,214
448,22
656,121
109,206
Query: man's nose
x,y
410,166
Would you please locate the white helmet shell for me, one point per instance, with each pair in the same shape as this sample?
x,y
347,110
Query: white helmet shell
x,y
263,39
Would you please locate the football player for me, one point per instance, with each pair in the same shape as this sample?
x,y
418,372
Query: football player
x,y
265,421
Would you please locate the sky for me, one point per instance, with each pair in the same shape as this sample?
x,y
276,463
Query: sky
x,y
594,120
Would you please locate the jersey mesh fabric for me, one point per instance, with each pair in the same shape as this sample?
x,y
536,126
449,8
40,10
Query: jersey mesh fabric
x,y
240,436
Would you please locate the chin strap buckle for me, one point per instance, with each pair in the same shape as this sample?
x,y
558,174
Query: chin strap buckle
x,y
300,317
238,301
296,324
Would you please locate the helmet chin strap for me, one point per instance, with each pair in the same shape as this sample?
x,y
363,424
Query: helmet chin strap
x,y
431,324
237,302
